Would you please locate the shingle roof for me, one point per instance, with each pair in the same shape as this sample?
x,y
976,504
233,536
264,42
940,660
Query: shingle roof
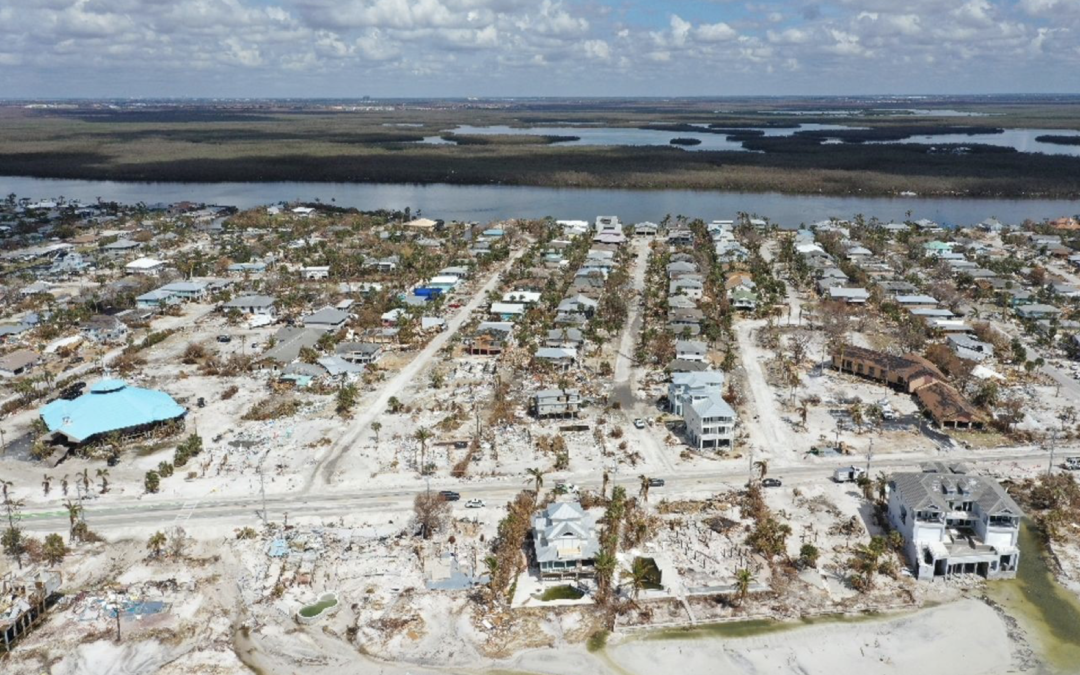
x,y
928,490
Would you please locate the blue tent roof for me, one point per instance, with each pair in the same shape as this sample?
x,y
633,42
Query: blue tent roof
x,y
110,406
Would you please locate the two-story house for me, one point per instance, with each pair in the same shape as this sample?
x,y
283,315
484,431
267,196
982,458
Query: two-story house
x,y
555,403
565,540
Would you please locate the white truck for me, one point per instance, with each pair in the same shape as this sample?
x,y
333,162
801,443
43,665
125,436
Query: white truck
x,y
848,474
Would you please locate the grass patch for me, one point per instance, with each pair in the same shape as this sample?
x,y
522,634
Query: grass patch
x,y
597,641
561,593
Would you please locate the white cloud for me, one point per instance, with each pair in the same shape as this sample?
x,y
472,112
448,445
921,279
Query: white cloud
x,y
466,44
715,32
598,50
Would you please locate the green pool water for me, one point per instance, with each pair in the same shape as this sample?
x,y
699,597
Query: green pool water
x,y
325,602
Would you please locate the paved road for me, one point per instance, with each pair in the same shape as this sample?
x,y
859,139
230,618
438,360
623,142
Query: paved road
x,y
395,503
626,372
324,470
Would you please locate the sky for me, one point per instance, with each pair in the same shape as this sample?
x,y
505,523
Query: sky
x,y
514,48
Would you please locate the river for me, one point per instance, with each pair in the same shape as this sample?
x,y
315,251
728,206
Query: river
x,y
490,202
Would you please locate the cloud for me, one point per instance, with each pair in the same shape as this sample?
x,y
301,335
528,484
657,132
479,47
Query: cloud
x,y
104,47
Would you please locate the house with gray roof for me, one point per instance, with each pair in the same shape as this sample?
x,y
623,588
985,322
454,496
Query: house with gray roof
x,y
18,362
253,304
555,403
326,319
955,523
565,540
687,387
359,352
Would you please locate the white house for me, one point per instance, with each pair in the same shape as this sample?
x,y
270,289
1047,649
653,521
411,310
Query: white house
x,y
507,310
565,540
692,387
691,350
955,523
710,422
852,296
149,267
262,305
315,273
967,347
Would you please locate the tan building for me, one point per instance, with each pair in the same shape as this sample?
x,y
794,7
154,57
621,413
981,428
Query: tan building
x,y
907,373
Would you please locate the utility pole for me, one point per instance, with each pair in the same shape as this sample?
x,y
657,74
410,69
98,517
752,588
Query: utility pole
x,y
1053,446
3,443
262,491
869,456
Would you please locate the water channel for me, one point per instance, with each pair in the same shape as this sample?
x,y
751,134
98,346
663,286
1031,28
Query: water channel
x,y
486,203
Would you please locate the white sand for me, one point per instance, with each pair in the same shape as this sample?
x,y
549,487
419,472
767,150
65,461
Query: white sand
x,y
966,637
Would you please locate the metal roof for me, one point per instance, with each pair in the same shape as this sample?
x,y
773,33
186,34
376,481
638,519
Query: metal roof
x,y
110,406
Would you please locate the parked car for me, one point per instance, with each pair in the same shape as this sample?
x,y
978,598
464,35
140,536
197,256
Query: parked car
x,y
449,496
771,482
224,338
656,482
1072,463
475,504
565,488
639,423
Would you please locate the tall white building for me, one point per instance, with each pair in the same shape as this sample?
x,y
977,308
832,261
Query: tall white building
x,y
955,523
710,422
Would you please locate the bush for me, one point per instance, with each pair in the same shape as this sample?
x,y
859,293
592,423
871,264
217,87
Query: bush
x,y
191,447
152,482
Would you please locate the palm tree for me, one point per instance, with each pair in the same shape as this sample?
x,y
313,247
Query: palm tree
x,y
867,487
643,491
156,544
86,480
639,575
882,485
603,486
537,477
422,436
856,412
46,484
762,465
103,474
376,427
743,579
604,564
64,484
74,510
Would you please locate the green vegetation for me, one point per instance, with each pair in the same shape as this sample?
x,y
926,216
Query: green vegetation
x,y
597,641
1059,140
204,144
561,593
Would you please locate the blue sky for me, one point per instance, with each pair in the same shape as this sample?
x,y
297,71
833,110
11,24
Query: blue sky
x,y
347,48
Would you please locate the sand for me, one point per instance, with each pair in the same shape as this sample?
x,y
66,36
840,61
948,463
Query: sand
x,y
966,636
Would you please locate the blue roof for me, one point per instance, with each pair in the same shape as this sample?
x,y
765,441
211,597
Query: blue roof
x,y
110,406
